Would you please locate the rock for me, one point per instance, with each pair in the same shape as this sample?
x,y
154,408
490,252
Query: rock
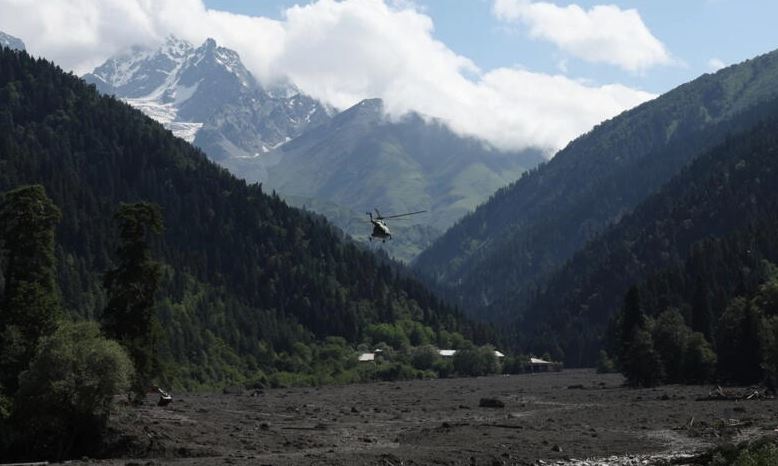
x,y
491,403
232,390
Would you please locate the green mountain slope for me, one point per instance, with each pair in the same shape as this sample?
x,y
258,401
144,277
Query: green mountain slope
x,y
697,242
362,160
527,230
246,276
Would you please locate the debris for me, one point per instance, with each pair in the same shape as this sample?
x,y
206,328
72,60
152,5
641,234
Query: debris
x,y
750,393
491,403
164,398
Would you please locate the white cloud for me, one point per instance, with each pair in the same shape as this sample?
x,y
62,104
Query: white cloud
x,y
602,34
716,64
339,52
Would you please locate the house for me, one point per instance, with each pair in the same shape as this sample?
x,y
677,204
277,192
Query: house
x,y
539,365
449,353
366,357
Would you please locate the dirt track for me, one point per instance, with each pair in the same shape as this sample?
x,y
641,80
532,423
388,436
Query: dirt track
x,y
574,414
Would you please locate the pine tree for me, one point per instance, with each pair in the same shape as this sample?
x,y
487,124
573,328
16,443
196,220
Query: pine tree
x,y
632,319
129,315
642,365
30,307
701,311
738,342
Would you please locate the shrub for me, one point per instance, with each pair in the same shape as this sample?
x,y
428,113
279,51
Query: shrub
x,y
443,367
762,452
65,396
699,359
424,357
396,371
476,361
605,365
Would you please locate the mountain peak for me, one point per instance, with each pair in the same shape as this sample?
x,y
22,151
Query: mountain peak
x,y
176,47
365,110
209,43
373,104
173,39
7,40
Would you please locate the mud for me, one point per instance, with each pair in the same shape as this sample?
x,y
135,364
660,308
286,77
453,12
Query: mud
x,y
574,417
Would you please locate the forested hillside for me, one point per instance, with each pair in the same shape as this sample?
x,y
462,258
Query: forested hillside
x,y
527,230
249,284
694,245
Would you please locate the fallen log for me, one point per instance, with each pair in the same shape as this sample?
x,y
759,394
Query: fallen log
x,y
750,393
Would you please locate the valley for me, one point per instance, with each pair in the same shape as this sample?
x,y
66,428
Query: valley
x,y
340,164
189,209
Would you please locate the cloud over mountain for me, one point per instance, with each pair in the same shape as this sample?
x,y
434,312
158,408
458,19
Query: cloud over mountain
x,y
339,52
602,34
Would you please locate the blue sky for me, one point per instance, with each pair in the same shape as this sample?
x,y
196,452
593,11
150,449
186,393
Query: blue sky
x,y
694,32
514,73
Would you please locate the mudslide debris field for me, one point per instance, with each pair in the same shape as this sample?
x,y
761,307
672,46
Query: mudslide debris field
x,y
569,417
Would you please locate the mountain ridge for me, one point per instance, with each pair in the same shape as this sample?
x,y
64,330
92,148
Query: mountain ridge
x,y
718,199
14,43
524,232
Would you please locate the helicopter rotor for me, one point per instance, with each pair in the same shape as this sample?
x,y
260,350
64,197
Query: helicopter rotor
x,y
403,215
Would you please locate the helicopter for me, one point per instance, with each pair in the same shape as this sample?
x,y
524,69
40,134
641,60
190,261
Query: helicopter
x,y
380,229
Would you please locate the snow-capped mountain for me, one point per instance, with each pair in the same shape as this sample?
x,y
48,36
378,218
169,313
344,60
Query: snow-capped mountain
x,y
7,40
205,95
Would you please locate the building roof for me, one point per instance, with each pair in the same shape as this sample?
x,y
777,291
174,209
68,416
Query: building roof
x,y
538,361
447,353
366,357
498,354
